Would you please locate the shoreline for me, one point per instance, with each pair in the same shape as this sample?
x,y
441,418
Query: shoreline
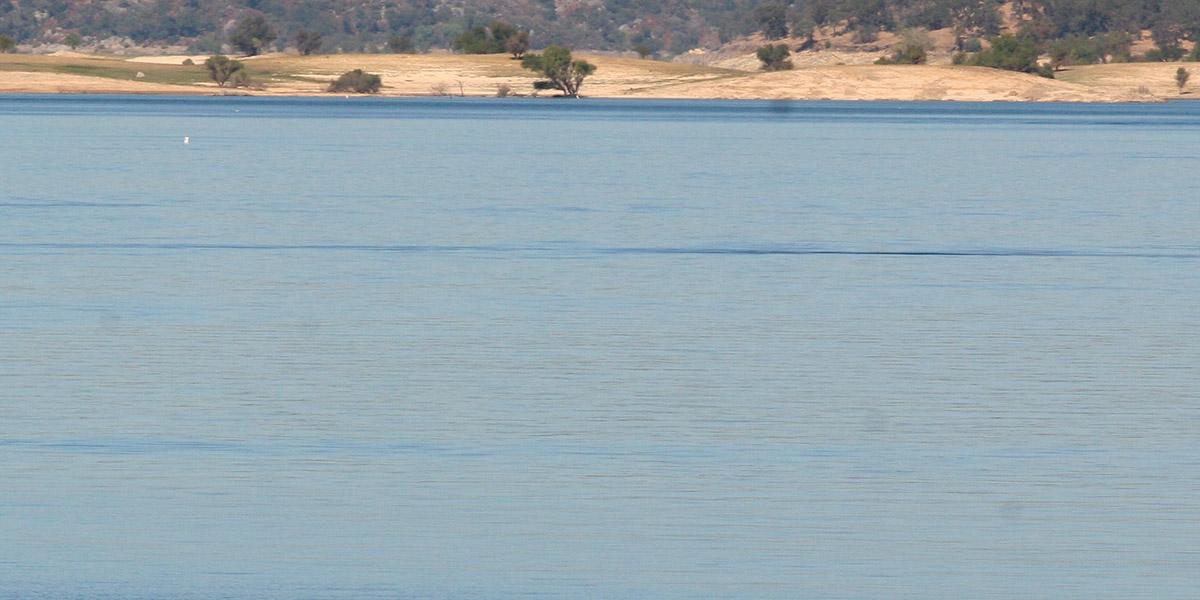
x,y
482,76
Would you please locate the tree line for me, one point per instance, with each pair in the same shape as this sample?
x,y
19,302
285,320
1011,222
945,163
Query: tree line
x,y
650,28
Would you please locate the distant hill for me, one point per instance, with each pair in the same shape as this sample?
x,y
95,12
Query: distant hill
x,y
653,27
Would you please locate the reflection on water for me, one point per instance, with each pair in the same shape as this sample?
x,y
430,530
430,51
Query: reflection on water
x,y
382,349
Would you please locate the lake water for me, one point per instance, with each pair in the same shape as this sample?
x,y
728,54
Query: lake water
x,y
509,348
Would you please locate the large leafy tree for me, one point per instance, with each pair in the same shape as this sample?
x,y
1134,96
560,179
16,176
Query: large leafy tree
x,y
773,19
252,33
308,42
222,69
560,69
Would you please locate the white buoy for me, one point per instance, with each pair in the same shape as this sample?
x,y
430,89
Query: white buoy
x,y
187,140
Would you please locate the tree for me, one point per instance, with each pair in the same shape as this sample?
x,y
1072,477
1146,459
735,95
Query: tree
x,y
803,27
517,45
357,81
221,69
400,44
1011,53
6,44
492,39
308,42
775,57
1181,78
773,20
73,40
252,33
907,54
560,70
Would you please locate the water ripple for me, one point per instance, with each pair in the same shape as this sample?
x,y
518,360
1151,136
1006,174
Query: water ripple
x,y
568,250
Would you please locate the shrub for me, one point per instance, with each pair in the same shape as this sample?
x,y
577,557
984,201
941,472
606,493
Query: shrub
x,y
775,57
357,81
907,54
503,90
6,44
972,44
1181,78
187,62
1076,50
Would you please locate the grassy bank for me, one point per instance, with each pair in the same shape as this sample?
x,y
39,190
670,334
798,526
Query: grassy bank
x,y
616,77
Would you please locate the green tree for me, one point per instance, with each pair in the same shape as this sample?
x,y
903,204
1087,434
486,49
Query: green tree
x,y
357,81
308,42
73,40
1168,38
560,70
222,69
775,57
6,44
906,54
252,33
1181,78
492,39
400,44
518,44
1011,53
773,20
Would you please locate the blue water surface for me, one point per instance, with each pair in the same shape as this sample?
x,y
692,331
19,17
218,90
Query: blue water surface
x,y
377,348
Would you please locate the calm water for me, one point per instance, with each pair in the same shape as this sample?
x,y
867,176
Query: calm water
x,y
491,349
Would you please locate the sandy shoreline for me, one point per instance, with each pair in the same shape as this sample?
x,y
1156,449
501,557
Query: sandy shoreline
x,y
616,77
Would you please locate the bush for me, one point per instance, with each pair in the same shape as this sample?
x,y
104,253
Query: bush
x,y
1076,50
972,44
357,81
775,57
187,62
7,44
908,54
1181,78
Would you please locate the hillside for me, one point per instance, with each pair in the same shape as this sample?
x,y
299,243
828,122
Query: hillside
x,y
663,27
